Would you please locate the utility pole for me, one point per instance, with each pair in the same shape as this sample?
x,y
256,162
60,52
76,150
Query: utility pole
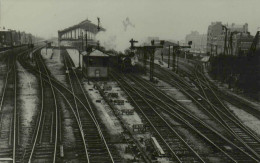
x,y
144,60
216,49
162,54
173,58
169,55
82,43
177,59
151,64
225,44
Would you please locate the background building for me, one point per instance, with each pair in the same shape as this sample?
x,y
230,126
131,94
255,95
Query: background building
x,y
238,39
199,41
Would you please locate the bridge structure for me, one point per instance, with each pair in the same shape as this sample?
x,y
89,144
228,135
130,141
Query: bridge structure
x,y
77,35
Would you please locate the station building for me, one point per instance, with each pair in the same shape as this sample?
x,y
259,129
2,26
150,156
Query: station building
x,y
95,64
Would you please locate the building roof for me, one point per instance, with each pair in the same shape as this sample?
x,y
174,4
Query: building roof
x,y
95,53
86,24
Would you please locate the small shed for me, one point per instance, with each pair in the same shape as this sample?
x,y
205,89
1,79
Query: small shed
x,y
95,64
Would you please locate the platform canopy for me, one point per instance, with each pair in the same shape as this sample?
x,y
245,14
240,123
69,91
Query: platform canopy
x,y
73,32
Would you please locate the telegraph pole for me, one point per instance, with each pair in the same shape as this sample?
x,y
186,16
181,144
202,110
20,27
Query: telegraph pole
x,y
169,55
144,60
151,64
173,58
225,44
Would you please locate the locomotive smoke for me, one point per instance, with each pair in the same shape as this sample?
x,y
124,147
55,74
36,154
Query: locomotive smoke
x,y
118,36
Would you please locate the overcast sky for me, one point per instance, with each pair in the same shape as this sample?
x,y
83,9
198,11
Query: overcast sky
x,y
168,19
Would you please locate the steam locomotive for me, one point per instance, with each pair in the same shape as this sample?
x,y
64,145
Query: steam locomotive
x,y
124,62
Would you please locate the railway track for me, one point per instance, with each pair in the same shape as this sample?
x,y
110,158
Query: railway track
x,y
220,112
45,137
172,142
243,137
194,69
209,135
232,122
9,121
67,94
101,150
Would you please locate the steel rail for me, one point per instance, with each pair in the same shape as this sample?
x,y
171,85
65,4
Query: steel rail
x,y
91,109
223,123
147,83
60,86
40,118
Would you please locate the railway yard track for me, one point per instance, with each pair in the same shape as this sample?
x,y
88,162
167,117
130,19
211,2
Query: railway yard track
x,y
215,108
165,118
214,105
9,120
96,139
93,144
215,139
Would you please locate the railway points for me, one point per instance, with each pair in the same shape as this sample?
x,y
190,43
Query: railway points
x,y
75,99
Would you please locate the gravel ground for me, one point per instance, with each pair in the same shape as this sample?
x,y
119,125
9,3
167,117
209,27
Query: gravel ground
x,y
130,120
28,103
106,114
249,120
68,136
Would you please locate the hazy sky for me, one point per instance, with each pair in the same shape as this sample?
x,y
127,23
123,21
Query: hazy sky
x,y
168,19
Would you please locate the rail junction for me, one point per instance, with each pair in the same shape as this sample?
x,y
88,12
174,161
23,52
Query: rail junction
x,y
85,104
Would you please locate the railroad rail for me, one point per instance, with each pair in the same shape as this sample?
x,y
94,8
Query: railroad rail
x,y
65,92
197,124
9,122
236,126
77,131
45,139
76,87
162,129
219,110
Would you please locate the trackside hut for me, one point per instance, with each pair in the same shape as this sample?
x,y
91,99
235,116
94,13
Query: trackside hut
x,y
95,64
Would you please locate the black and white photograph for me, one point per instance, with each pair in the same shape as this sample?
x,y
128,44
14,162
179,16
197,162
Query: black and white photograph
x,y
129,81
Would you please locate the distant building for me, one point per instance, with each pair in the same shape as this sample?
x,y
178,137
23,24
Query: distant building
x,y
199,41
242,43
237,34
213,36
